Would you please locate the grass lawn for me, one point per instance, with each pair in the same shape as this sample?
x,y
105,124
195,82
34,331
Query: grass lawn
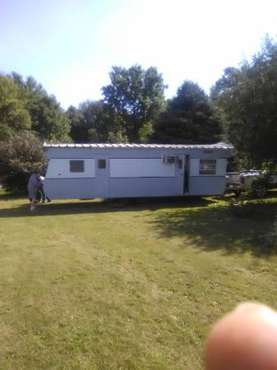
x,y
127,284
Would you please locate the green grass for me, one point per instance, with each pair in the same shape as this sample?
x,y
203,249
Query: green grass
x,y
127,284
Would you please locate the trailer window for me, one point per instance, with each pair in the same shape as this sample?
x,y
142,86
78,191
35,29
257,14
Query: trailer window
x,y
102,163
77,166
207,167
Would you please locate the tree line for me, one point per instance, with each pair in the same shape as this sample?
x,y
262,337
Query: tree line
x,y
241,109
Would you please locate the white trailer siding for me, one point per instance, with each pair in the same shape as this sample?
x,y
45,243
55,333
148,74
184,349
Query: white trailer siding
x,y
221,166
60,168
194,166
139,167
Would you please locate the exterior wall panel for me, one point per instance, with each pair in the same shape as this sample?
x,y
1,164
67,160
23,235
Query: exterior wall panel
x,y
194,167
60,168
207,185
138,167
221,166
71,188
143,187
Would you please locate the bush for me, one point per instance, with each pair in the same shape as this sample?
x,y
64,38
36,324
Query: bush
x,y
21,155
260,186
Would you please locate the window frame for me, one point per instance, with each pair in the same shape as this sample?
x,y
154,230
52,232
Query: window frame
x,y
75,161
207,171
101,160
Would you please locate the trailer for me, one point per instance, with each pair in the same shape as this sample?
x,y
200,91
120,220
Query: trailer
x,y
135,170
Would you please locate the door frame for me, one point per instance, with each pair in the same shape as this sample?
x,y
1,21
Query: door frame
x,y
186,174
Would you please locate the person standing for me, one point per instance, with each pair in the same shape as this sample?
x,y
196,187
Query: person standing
x,y
33,187
43,196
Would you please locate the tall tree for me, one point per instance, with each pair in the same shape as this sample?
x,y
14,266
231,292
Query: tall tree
x,y
92,121
78,130
13,113
245,98
135,97
47,117
188,118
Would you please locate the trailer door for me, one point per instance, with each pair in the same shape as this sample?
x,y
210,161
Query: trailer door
x,y
186,174
102,174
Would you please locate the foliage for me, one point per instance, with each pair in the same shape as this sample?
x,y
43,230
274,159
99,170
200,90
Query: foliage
x,y
269,167
245,99
13,113
188,119
92,122
260,186
47,117
78,131
20,155
135,98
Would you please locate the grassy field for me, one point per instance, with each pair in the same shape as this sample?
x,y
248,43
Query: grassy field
x,y
127,284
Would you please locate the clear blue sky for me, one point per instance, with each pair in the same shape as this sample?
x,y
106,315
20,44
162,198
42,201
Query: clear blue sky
x,y
70,45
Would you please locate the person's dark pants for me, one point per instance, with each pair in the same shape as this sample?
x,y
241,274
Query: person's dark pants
x,y
42,197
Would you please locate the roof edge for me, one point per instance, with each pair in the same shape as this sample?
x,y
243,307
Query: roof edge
x,y
220,145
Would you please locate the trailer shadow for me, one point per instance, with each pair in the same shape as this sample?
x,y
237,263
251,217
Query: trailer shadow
x,y
103,206
252,228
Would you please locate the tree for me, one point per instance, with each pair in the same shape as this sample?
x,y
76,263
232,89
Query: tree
x,y
245,99
78,130
188,119
135,97
13,113
92,121
96,119
20,155
48,120
47,117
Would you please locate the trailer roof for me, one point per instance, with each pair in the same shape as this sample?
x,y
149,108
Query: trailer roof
x,y
140,146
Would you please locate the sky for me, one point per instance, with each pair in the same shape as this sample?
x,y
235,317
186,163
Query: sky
x,y
70,46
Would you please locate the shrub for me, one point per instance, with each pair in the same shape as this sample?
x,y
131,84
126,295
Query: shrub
x,y
260,186
21,155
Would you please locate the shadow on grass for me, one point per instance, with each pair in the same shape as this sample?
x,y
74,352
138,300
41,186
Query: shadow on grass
x,y
250,228
116,205
8,196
